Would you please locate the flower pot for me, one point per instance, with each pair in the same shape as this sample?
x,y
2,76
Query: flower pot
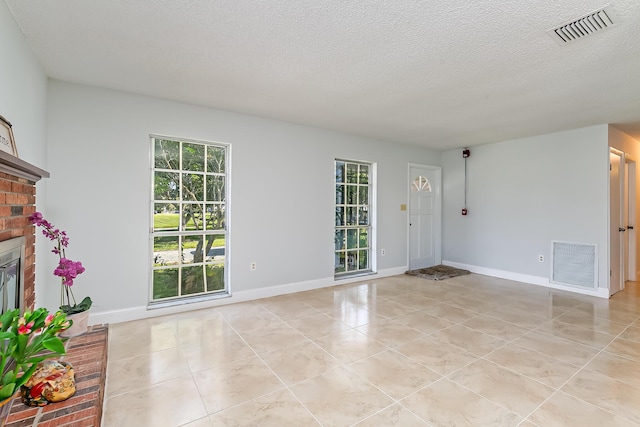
x,y
79,327
5,410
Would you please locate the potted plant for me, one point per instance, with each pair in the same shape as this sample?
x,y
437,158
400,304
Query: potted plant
x,y
24,342
67,270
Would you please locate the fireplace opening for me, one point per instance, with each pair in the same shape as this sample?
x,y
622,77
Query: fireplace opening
x,y
12,274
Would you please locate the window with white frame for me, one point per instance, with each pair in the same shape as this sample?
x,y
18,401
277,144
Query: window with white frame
x,y
353,218
189,213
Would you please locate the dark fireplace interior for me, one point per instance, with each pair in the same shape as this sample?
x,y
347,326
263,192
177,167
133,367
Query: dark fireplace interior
x,y
12,273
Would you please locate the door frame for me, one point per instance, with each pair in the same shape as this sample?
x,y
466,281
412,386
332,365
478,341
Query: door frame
x,y
630,210
437,233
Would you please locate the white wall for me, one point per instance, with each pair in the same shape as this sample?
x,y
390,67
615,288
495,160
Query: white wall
x,y
521,195
23,91
282,193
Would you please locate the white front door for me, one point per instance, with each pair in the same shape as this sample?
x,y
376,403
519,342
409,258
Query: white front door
x,y
424,216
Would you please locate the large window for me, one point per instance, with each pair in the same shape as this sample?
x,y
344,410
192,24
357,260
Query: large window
x,y
189,211
353,216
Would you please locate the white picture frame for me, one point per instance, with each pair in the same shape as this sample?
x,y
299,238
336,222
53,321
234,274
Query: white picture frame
x,y
7,143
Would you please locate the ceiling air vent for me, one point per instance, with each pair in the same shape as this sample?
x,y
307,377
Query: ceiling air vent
x,y
587,25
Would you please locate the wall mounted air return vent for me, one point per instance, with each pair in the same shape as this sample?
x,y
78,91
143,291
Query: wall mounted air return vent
x,y
574,264
587,25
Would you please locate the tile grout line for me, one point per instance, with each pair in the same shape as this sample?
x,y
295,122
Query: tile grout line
x,y
349,369
272,371
582,368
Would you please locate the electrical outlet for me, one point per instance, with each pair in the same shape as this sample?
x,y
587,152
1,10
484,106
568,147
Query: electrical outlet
x,y
383,252
540,258
253,266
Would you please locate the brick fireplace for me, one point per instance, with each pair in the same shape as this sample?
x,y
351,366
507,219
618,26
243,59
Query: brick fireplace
x,y
17,202
88,352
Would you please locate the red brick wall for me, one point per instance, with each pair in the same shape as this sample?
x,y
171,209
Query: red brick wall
x,y
17,202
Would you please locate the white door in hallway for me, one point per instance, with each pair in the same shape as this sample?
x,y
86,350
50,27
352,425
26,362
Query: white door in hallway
x,y
616,227
424,216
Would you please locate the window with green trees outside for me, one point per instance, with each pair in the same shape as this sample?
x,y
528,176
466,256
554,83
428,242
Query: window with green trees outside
x,y
189,211
352,227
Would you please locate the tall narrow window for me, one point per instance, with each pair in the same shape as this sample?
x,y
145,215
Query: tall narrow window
x,y
352,226
189,219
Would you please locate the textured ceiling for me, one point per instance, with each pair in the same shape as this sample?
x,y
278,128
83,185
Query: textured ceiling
x,y
438,74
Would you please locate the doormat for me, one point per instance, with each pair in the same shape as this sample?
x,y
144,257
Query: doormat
x,y
438,272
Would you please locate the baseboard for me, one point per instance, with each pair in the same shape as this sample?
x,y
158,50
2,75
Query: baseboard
x,y
144,312
526,278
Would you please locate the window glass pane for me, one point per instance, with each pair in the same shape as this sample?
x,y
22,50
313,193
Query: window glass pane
x,y
215,188
215,277
339,171
167,154
421,183
214,216
340,220
351,215
352,173
192,218
339,194
352,260
339,240
352,238
193,157
364,174
192,187
352,194
363,197
216,245
192,280
363,216
192,249
166,186
165,217
340,262
363,261
215,159
165,283
165,251
364,237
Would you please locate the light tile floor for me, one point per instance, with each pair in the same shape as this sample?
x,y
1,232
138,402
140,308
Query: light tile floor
x,y
404,351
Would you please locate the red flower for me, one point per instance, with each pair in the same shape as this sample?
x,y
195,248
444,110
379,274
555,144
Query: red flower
x,y
25,329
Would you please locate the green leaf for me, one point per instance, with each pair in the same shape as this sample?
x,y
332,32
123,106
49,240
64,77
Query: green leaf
x,y
84,305
8,378
36,359
54,344
7,391
7,318
27,374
